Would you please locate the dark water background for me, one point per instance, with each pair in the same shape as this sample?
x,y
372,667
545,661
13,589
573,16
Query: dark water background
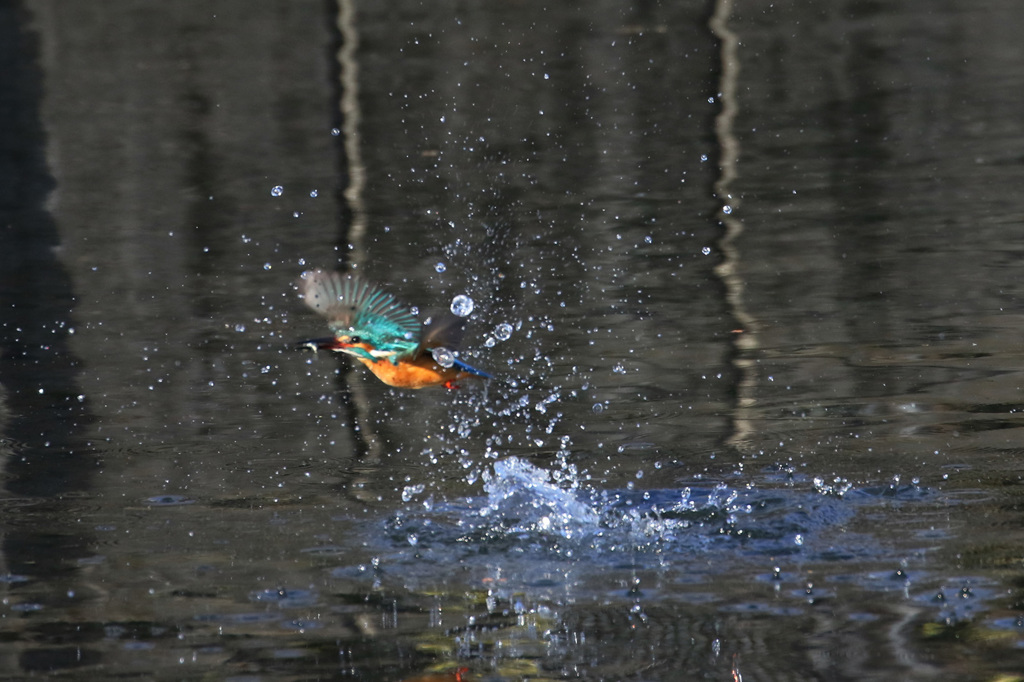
x,y
758,416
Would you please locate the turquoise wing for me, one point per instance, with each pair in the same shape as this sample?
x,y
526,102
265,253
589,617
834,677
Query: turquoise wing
x,y
354,307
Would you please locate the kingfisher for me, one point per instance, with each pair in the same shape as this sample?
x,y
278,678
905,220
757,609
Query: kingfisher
x,y
373,327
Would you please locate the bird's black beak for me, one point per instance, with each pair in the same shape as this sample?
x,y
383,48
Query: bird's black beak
x,y
316,344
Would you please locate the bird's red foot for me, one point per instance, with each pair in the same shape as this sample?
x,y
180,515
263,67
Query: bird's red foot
x,y
451,385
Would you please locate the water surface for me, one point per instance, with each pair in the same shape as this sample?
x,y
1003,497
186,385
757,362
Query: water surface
x,y
756,405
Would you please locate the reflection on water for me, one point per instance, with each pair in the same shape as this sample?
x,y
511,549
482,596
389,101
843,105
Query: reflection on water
x,y
777,442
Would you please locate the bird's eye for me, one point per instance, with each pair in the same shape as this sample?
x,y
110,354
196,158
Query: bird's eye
x,y
354,339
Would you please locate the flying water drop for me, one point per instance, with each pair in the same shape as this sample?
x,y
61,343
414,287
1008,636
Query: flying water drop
x,y
503,332
443,357
462,305
410,491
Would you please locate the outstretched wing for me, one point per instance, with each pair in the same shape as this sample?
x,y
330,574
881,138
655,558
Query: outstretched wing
x,y
353,306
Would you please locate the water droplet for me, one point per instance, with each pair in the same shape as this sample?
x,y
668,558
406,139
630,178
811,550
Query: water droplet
x,y
335,131
619,368
503,331
440,267
443,357
706,250
727,209
462,305
239,327
277,191
598,408
314,193
410,491
413,539
489,342
267,266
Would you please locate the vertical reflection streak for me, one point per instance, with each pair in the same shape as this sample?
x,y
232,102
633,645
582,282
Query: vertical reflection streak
x,y
350,119
745,336
355,255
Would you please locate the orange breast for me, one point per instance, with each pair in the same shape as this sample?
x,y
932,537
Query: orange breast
x,y
420,372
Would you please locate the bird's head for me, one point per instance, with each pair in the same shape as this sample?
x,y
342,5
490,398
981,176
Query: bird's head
x,y
356,344
361,345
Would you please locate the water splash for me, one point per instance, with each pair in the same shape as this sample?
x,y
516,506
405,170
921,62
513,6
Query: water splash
x,y
520,491
545,513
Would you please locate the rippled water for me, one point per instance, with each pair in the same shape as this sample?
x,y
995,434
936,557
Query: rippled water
x,y
748,287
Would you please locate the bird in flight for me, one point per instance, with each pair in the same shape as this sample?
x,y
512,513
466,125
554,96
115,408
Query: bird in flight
x,y
369,324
